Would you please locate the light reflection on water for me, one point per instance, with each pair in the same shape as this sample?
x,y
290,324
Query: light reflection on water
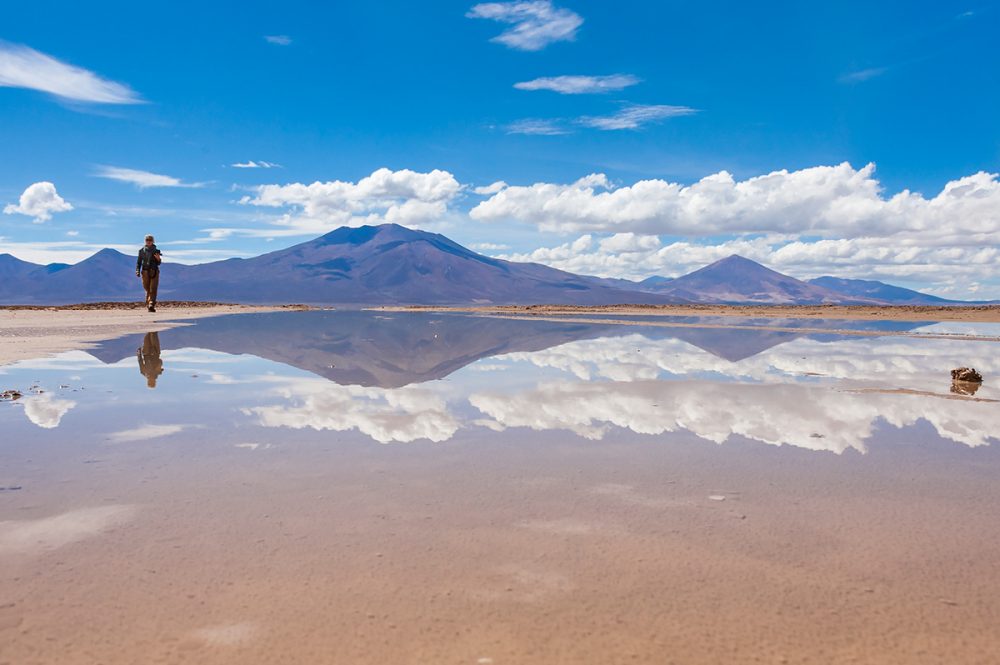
x,y
433,377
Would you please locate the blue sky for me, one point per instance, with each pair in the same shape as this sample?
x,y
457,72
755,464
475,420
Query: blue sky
x,y
667,95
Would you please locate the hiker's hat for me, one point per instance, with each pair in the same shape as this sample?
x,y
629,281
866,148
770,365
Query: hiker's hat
x,y
149,236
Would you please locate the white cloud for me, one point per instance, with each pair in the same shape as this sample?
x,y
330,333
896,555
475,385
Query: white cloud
x,y
634,116
537,127
821,220
39,201
577,85
534,25
823,200
142,179
259,164
401,197
279,40
24,67
45,410
486,190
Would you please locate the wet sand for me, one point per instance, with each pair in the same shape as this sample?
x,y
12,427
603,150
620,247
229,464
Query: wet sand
x,y
539,550
34,332
970,313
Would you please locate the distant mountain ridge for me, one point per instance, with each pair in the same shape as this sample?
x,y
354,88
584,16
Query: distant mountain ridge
x,y
897,295
736,280
369,265
391,264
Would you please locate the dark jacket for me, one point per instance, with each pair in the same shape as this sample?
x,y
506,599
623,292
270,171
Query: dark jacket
x,y
149,259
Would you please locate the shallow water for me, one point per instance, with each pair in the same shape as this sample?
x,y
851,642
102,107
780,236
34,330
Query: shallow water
x,y
548,492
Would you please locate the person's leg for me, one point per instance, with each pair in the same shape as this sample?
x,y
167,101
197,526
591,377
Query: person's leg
x,y
146,284
154,283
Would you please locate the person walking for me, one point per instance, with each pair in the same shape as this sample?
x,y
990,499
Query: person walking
x,y
147,266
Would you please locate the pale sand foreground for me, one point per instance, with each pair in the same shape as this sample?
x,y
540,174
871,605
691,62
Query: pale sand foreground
x,y
34,333
971,314
499,550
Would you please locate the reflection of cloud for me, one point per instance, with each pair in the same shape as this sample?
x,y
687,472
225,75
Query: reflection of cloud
x,y
49,533
144,432
403,414
778,414
920,364
45,410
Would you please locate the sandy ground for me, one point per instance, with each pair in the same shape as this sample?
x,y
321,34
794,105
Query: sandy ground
x,y
495,551
30,332
971,314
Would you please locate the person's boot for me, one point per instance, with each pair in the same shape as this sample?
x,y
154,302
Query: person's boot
x,y
152,307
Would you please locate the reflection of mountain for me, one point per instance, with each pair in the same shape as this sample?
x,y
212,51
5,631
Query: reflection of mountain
x,y
364,348
735,344
393,350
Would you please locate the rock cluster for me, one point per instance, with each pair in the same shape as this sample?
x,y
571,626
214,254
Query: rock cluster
x,y
966,374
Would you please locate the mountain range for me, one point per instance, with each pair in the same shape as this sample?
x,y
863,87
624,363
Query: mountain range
x,y
391,264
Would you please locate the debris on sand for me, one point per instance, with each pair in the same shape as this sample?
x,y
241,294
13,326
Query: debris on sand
x,y
966,374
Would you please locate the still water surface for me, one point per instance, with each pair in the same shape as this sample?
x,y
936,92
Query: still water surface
x,y
547,492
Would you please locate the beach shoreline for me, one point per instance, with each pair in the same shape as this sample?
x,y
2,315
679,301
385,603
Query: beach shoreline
x,y
966,313
35,331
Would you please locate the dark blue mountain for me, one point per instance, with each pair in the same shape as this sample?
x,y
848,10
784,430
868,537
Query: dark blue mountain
x,y
863,288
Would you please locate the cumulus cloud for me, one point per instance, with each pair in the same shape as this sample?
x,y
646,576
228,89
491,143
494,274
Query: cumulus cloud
x,y
401,197
823,200
279,40
39,201
24,67
534,25
142,179
634,116
821,220
578,85
259,164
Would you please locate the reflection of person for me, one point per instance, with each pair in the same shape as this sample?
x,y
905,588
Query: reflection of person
x,y
150,364
148,267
